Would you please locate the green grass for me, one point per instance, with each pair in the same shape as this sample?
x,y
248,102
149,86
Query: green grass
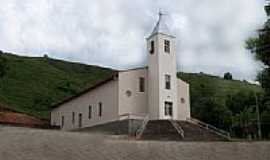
x,y
208,86
216,86
33,84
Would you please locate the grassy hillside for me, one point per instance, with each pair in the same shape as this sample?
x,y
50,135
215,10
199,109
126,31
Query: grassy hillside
x,y
32,85
218,101
204,85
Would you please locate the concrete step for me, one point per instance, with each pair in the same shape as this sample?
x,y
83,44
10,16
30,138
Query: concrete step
x,y
164,130
194,132
160,130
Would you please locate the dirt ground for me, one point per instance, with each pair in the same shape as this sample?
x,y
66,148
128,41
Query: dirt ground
x,y
9,117
19,143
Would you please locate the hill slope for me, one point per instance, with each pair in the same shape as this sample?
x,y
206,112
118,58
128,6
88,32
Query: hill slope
x,y
219,102
204,85
31,85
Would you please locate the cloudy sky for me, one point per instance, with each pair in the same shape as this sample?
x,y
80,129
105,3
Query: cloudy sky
x,y
210,33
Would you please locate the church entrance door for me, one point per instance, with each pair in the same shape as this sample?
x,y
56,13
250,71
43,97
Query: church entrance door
x,y
168,110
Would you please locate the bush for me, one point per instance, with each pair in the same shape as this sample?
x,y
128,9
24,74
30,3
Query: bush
x,y
228,76
214,112
46,56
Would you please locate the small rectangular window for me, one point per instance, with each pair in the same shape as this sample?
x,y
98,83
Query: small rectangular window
x,y
167,46
80,120
167,81
142,84
100,109
73,117
63,121
90,112
152,47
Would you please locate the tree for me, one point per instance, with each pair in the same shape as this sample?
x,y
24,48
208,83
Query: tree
x,y
260,46
243,106
228,76
46,56
245,122
215,113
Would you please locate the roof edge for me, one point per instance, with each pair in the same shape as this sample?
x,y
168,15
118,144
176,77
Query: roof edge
x,y
132,69
152,35
98,84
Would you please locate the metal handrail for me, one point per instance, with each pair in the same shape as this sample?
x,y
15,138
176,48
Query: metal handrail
x,y
210,127
178,128
139,132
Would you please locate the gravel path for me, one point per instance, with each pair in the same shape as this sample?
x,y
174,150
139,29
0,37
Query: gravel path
x,y
18,143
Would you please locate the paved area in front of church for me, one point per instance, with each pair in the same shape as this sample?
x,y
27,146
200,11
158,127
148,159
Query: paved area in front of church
x,y
17,143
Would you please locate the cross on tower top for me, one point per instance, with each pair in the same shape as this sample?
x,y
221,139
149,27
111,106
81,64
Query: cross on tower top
x,y
160,13
161,26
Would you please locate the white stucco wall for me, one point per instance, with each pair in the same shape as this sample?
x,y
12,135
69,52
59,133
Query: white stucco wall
x,y
107,94
183,106
137,102
167,65
153,79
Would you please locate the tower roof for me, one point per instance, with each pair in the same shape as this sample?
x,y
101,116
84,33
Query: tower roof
x,y
161,26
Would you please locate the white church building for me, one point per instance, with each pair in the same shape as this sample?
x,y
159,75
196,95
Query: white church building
x,y
153,92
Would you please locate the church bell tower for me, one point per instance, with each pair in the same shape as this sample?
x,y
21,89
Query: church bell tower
x,y
162,80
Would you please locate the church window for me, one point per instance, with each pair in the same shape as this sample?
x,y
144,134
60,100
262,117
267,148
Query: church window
x,y
152,47
168,108
99,109
63,121
183,100
80,120
167,46
128,93
167,81
90,112
142,84
73,117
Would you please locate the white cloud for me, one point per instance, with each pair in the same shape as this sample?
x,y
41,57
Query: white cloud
x,y
210,33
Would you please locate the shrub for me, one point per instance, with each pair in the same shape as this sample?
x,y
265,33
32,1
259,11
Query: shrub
x,y
228,76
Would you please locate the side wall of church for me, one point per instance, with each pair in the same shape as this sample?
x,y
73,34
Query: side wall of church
x,y
183,100
107,95
131,99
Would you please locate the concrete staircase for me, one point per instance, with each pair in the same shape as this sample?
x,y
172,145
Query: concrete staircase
x,y
160,130
165,130
194,132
